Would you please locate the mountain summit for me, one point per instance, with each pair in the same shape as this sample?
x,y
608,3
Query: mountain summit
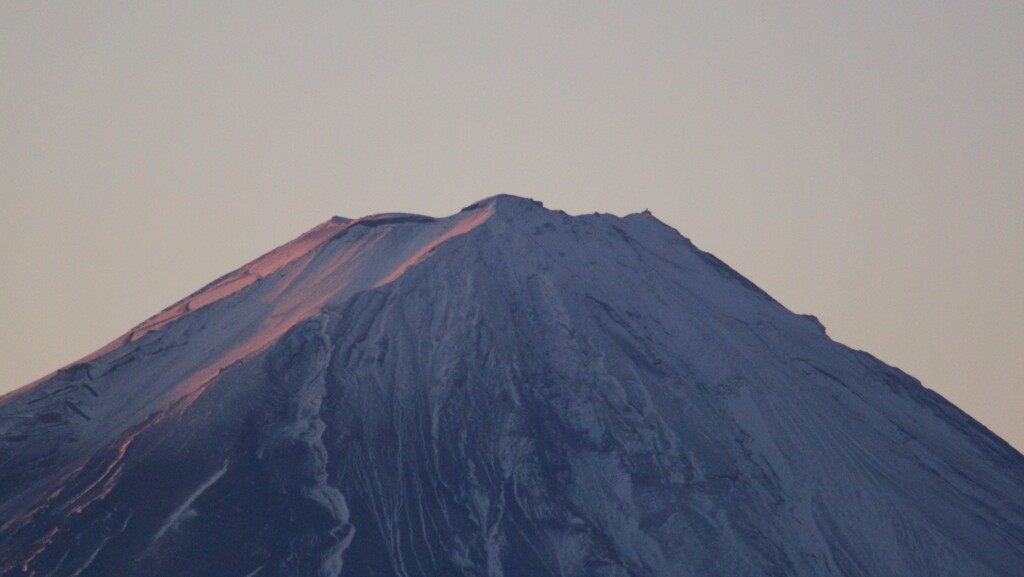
x,y
507,392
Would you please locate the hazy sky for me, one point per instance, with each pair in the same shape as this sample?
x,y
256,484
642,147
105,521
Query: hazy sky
x,y
861,161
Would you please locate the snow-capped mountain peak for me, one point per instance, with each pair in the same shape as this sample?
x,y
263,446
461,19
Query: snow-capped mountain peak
x,y
508,390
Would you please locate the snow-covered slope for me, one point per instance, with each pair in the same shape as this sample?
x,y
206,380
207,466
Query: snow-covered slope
x,y
509,391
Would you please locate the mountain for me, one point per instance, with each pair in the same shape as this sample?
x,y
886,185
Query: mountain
x,y
510,391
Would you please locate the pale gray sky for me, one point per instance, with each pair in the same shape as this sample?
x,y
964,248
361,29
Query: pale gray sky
x,y
861,161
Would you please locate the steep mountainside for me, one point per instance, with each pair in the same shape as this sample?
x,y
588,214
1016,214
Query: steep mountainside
x,y
509,391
